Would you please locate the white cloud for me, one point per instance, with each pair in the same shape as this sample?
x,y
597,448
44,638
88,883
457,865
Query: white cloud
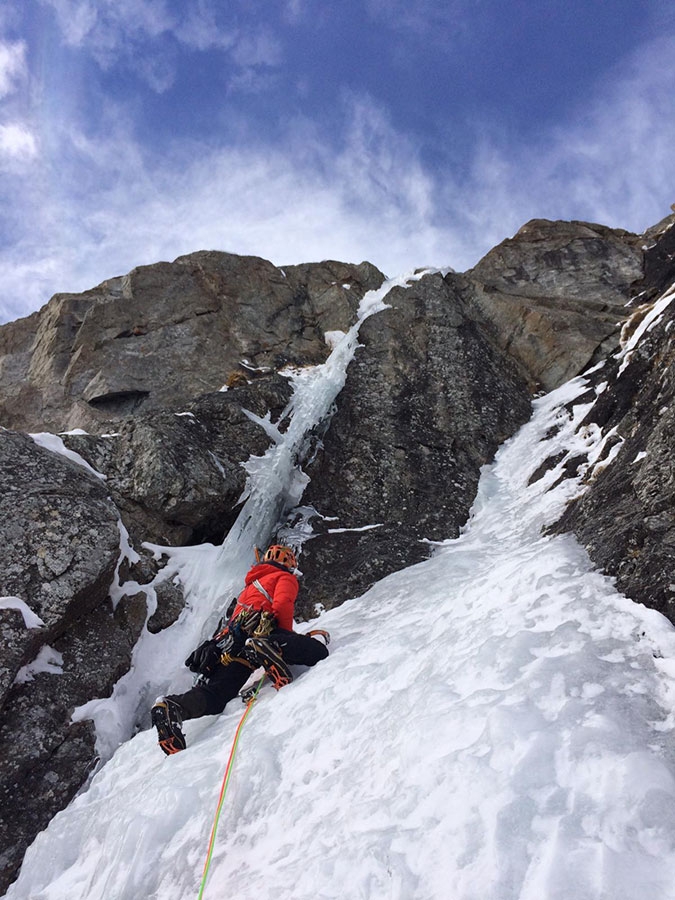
x,y
104,24
113,31
256,57
126,33
292,203
200,30
17,142
77,20
101,207
12,65
261,49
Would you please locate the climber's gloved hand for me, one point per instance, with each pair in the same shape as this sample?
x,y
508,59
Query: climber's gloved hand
x,y
204,659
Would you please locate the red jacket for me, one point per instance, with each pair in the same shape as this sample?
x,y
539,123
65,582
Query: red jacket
x,y
280,584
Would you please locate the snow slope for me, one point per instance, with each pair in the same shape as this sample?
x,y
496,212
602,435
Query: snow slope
x,y
492,724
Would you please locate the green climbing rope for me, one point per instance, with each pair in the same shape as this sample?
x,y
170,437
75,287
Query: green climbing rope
x,y
223,789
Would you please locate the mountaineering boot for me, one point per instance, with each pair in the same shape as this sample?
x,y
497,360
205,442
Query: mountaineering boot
x,y
167,720
262,652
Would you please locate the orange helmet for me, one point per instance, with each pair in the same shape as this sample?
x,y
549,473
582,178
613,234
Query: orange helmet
x,y
280,554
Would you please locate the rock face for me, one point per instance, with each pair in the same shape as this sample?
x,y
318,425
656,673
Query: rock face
x,y
555,295
176,476
162,335
59,548
427,401
626,517
60,540
441,379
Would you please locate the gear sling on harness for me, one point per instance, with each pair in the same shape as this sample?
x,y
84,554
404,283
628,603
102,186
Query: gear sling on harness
x,y
249,622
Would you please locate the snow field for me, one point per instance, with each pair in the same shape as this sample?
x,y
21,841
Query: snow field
x,y
492,724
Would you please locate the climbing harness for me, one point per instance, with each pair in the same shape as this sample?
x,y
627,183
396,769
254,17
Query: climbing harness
x,y
223,789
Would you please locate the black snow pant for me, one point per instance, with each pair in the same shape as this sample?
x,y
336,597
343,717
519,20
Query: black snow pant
x,y
211,697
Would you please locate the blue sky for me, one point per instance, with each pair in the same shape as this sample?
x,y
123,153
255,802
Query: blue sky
x,y
405,132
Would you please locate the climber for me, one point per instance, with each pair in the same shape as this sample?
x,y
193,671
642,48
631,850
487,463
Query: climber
x,y
257,632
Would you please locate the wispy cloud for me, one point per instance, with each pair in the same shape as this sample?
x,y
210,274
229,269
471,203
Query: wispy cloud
x,y
132,34
293,10
260,49
17,142
609,163
199,28
256,57
12,65
94,206
116,208
425,18
104,25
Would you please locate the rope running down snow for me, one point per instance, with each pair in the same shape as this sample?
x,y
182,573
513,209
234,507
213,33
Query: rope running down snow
x,y
223,789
